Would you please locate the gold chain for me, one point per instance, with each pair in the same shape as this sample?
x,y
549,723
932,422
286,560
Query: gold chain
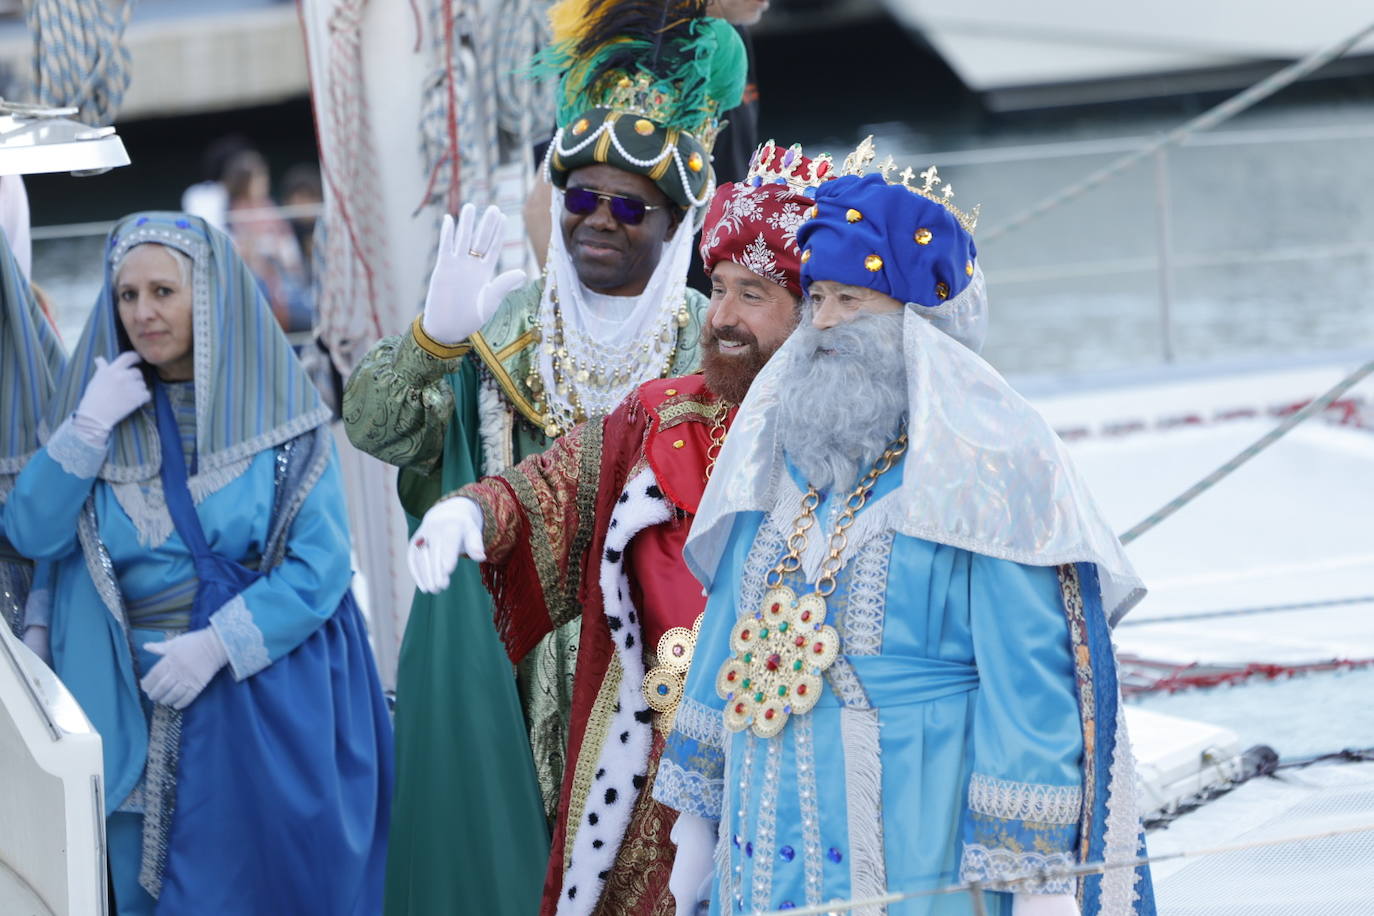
x,y
717,436
839,539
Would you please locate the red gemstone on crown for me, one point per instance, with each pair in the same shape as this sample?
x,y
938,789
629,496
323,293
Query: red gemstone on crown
x,y
768,713
818,648
801,690
800,641
776,607
739,709
806,615
730,676
774,661
744,635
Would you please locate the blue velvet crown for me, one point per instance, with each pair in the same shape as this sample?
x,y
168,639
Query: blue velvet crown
x,y
900,240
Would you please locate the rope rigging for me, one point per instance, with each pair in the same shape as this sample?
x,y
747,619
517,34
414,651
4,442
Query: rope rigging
x,y
1313,407
79,56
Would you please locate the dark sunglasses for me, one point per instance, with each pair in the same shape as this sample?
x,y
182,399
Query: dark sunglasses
x,y
626,210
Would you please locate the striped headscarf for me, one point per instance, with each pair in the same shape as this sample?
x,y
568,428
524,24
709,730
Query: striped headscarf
x,y
31,359
251,391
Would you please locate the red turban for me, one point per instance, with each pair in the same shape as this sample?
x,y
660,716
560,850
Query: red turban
x,y
754,222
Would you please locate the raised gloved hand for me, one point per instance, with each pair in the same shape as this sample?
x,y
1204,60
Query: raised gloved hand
x,y
690,879
36,638
1044,905
462,292
188,663
452,528
116,390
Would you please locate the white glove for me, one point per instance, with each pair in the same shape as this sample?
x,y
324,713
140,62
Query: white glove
x,y
116,390
36,638
690,879
462,294
188,663
452,528
1044,905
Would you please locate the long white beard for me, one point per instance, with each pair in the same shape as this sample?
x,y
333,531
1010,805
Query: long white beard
x,y
842,408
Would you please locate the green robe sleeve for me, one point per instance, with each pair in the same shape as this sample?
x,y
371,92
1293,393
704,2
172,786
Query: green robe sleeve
x,y
398,403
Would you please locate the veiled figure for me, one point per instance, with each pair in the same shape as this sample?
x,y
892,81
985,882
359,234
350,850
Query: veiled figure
x,y
189,497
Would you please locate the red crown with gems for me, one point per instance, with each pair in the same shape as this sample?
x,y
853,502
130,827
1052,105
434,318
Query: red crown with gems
x,y
773,164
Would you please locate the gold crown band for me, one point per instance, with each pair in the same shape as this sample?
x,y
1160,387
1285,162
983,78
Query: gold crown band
x,y
857,163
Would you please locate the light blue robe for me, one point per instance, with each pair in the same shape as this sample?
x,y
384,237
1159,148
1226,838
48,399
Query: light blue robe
x,y
43,518
967,662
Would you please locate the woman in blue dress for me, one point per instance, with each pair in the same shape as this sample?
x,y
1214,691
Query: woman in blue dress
x,y
190,499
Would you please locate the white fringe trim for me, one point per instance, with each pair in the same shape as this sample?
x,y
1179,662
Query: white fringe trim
x,y
863,786
1122,831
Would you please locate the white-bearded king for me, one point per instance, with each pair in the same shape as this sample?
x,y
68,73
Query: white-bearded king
x,y
904,678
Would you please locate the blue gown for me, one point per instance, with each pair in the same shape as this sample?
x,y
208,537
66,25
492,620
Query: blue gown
x,y
946,744
93,627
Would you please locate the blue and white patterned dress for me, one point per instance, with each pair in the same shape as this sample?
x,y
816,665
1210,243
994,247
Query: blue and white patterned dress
x,y
947,743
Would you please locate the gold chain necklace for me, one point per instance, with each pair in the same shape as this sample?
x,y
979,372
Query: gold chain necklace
x,y
717,433
783,649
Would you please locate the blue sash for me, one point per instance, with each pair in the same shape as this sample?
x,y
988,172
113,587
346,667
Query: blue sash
x,y
283,789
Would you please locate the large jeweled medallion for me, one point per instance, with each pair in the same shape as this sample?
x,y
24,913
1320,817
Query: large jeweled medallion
x,y
781,654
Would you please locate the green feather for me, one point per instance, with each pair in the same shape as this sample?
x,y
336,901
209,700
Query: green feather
x,y
698,64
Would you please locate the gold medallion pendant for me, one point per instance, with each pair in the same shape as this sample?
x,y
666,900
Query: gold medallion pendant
x,y
784,649
780,655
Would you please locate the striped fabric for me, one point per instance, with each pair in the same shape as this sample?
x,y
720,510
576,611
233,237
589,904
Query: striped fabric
x,y
31,360
182,397
251,392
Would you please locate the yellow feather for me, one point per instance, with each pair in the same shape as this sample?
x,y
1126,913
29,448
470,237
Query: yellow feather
x,y
569,20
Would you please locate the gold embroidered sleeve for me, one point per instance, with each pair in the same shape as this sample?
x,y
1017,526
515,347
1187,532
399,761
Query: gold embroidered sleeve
x,y
556,490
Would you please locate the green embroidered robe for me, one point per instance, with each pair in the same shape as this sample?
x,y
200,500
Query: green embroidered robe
x,y
472,807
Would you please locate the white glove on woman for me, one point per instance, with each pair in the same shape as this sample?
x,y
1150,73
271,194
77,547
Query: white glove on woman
x,y
36,638
452,528
188,663
462,294
690,878
1044,905
116,390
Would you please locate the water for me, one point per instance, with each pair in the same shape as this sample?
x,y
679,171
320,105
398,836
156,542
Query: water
x,y
1298,717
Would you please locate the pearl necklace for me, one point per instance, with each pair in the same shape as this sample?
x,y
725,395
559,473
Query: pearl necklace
x,y
590,378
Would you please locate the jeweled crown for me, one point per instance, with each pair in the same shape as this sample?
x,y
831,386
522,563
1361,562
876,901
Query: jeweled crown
x,y
930,186
639,94
773,164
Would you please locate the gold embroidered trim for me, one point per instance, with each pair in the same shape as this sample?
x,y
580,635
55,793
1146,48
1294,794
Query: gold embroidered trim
x,y
516,345
1071,589
588,482
671,415
598,727
508,386
545,566
432,346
